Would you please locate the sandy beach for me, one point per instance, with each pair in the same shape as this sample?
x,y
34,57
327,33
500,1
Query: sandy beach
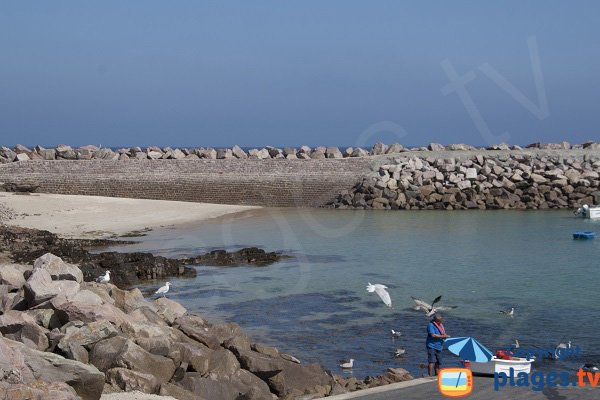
x,y
102,217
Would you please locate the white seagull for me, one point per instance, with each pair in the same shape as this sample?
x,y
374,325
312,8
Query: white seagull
x,y
559,349
430,309
509,313
516,345
396,333
381,292
400,352
347,364
163,289
104,278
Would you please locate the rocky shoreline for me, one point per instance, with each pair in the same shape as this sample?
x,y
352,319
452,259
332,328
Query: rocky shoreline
x,y
65,338
24,245
90,152
507,180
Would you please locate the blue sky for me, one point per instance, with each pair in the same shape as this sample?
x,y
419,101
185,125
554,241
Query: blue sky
x,y
218,73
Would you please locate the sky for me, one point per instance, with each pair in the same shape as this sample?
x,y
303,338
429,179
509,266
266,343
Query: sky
x,y
287,73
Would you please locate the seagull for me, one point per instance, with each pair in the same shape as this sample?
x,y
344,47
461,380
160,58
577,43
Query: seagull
x,y
429,309
400,352
516,344
590,367
381,292
396,333
509,313
104,278
163,289
561,346
347,364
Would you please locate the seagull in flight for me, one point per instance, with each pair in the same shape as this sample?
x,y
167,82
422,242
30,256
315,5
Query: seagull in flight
x,y
104,278
396,334
347,364
430,309
163,289
381,292
509,313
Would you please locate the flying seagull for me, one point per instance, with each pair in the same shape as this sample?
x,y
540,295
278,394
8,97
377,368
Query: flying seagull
x,y
381,292
430,309
163,289
347,364
104,278
510,312
396,333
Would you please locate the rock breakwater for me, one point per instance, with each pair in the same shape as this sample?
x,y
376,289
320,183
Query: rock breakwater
x,y
63,337
89,152
510,180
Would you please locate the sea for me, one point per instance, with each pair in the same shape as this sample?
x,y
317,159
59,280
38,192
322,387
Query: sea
x,y
314,304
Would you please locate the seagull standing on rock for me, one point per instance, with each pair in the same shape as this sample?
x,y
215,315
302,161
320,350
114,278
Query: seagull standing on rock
x,y
163,289
104,278
381,292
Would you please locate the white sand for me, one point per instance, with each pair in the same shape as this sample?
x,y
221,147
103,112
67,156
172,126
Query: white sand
x,y
91,216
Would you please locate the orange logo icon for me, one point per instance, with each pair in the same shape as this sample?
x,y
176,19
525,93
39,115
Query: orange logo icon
x,y
455,382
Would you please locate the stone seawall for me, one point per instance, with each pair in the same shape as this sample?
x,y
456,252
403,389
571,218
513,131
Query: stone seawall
x,y
479,180
482,179
275,183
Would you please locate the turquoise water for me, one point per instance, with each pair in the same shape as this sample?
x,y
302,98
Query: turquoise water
x,y
316,307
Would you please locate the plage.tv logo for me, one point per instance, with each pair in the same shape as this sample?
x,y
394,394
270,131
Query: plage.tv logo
x,y
455,382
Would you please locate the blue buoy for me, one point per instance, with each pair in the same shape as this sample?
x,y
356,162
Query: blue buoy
x,y
584,235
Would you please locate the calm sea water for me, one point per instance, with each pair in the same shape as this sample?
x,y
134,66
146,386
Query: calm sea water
x,y
315,305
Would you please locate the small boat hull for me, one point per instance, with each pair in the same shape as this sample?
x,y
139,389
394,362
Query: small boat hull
x,y
584,235
496,366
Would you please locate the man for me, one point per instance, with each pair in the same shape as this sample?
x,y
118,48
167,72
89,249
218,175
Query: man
x,y
435,343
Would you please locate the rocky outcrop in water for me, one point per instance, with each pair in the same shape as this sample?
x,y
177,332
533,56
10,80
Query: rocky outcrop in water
x,y
127,269
504,181
245,256
66,338
65,152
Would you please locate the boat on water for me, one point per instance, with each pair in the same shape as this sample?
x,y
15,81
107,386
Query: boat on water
x,y
497,365
584,235
588,212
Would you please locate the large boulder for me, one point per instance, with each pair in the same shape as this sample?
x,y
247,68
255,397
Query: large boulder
x,y
122,352
38,390
23,328
58,269
40,287
170,310
13,275
240,384
87,381
86,335
129,380
285,378
70,311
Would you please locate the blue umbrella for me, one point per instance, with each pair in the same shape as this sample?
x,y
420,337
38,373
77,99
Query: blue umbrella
x,y
468,348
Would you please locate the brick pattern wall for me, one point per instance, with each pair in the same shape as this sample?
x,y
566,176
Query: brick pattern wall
x,y
274,183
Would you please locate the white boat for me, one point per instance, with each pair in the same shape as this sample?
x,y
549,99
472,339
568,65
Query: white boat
x,y
588,212
497,365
